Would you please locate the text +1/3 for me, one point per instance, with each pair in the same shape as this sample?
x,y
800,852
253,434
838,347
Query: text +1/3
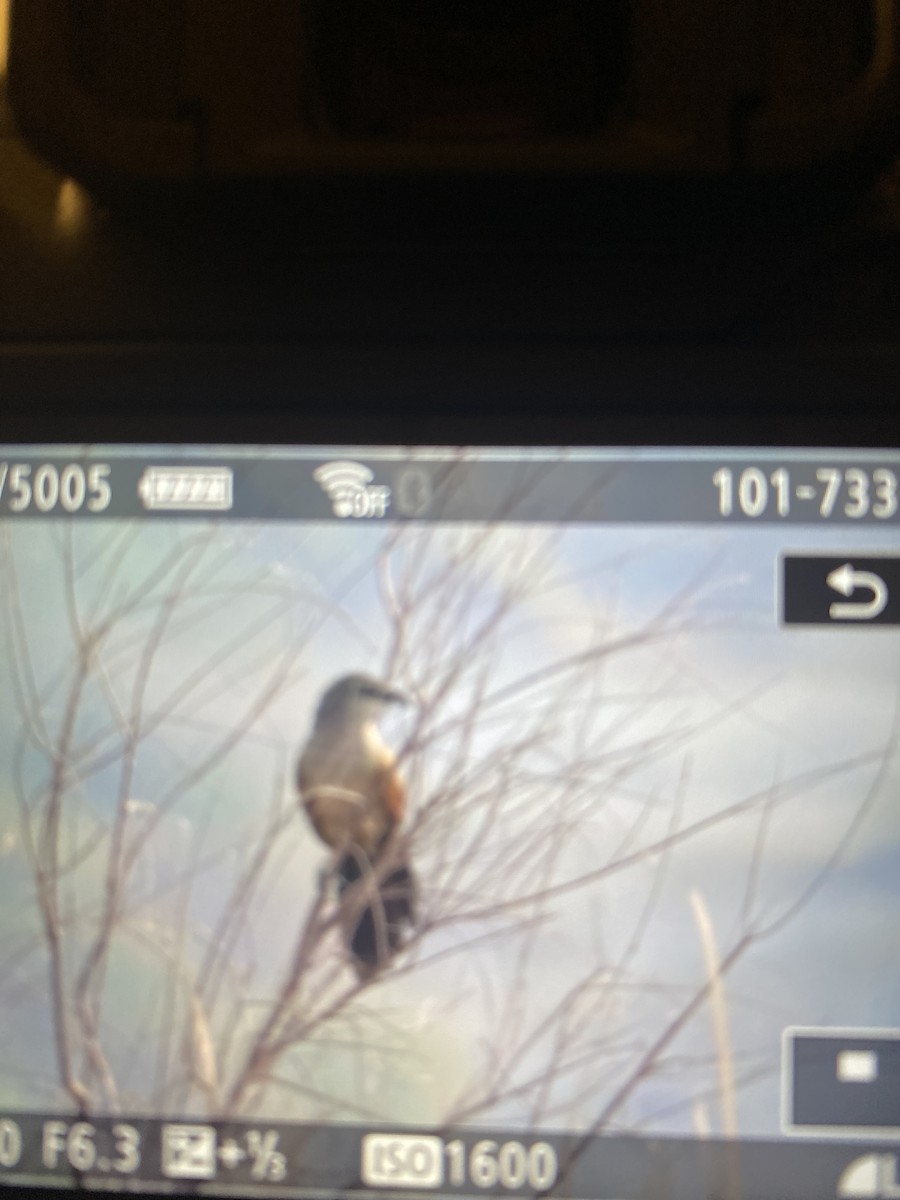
x,y
850,492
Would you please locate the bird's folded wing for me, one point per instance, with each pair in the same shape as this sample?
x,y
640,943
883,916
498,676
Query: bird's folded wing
x,y
393,794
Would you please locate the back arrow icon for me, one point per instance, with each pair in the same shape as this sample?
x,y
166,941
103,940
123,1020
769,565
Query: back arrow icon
x,y
846,581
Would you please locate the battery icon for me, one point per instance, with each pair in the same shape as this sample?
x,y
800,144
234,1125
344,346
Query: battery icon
x,y
193,489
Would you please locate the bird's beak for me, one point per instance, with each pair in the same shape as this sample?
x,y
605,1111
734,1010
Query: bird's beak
x,y
392,697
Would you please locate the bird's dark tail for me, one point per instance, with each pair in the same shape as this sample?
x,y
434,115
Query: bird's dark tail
x,y
375,932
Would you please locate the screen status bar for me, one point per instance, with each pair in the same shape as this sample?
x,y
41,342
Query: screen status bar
x,y
355,487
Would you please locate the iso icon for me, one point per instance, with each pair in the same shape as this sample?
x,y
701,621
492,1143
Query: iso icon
x,y
400,1160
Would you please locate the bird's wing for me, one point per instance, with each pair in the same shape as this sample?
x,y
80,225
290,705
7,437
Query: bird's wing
x,y
393,794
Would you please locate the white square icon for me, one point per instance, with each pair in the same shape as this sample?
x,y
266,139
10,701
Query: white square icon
x,y
857,1066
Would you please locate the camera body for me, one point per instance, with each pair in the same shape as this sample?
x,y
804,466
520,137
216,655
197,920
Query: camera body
x,y
196,90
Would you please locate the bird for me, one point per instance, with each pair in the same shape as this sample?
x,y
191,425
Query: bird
x,y
355,798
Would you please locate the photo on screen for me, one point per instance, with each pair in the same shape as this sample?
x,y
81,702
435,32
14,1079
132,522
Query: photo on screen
x,y
644,827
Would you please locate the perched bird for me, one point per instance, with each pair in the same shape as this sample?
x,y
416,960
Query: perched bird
x,y
355,799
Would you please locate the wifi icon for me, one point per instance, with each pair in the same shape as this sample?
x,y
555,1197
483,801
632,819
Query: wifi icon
x,y
347,485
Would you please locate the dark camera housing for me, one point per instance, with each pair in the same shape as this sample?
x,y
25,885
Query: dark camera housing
x,y
640,90
432,73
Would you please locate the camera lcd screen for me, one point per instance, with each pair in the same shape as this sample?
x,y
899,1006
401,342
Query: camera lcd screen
x,y
440,820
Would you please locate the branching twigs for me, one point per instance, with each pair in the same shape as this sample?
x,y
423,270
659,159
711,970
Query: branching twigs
x,y
492,828
89,984
266,1048
162,592
44,848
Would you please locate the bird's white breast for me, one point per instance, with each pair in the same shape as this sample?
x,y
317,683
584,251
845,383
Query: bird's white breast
x,y
341,780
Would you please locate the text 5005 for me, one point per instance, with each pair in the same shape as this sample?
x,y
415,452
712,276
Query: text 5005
x,y
54,487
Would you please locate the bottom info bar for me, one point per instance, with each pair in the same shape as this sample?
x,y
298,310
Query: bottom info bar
x,y
229,1158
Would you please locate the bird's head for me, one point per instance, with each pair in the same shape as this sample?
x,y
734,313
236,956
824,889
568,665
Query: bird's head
x,y
355,699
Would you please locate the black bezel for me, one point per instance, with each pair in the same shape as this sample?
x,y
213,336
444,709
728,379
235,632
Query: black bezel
x,y
516,393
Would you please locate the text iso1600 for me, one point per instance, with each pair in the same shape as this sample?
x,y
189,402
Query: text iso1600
x,y
833,491
423,1161
53,487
